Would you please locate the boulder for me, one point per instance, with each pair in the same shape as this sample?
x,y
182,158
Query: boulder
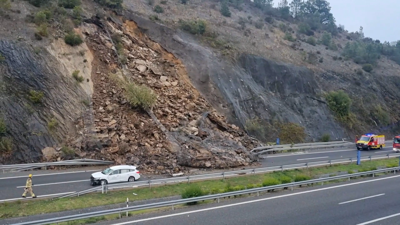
x,y
140,62
49,153
163,79
141,68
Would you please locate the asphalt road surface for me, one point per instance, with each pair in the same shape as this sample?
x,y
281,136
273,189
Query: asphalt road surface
x,y
55,183
45,184
373,201
319,155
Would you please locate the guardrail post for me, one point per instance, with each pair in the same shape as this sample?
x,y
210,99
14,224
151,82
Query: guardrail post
x,y
388,155
330,162
370,158
149,184
188,178
307,165
258,193
217,200
223,175
127,206
102,187
351,160
254,171
281,168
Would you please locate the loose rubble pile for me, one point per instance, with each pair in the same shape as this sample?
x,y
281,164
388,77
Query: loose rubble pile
x,y
129,135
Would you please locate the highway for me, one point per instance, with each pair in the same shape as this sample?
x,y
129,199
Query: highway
x,y
46,184
319,155
372,201
53,183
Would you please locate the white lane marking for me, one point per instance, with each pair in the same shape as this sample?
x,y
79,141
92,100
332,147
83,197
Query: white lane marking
x,y
309,153
379,219
360,199
40,196
323,157
257,200
49,174
383,151
65,182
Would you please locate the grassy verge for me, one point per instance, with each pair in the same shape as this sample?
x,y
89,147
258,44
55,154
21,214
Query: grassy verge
x,y
33,207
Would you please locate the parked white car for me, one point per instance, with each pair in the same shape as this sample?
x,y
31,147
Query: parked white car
x,y
115,174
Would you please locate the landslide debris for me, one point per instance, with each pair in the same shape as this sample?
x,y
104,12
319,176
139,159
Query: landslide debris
x,y
195,134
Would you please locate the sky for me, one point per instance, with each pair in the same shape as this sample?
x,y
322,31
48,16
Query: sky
x,y
379,18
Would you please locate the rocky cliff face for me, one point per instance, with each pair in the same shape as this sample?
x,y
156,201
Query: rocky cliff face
x,y
201,93
251,86
38,104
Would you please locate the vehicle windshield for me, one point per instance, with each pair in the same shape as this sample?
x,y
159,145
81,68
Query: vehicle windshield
x,y
107,171
396,140
364,138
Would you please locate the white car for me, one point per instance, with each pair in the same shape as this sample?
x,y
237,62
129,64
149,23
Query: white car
x,y
115,174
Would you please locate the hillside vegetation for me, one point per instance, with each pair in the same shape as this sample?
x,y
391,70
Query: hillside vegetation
x,y
303,33
171,84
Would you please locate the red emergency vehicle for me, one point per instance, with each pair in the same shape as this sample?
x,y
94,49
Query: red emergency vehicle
x,y
396,143
371,141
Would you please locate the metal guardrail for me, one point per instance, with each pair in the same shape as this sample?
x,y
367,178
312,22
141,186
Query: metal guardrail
x,y
272,148
215,197
75,162
149,183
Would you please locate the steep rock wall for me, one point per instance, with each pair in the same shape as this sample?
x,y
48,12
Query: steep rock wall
x,y
27,122
251,87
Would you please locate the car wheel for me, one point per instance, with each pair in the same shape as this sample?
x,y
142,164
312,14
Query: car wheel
x,y
103,182
91,183
131,179
358,148
369,148
380,147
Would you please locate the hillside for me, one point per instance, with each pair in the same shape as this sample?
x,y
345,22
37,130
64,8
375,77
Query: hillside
x,y
170,85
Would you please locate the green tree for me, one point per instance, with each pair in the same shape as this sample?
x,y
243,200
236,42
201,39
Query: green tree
x,y
77,12
295,8
326,39
339,102
284,9
38,3
114,4
194,27
362,53
41,17
367,68
225,9
73,39
158,9
260,3
69,4
305,29
311,41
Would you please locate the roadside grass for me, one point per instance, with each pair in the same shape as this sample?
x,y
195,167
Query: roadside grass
x,y
39,206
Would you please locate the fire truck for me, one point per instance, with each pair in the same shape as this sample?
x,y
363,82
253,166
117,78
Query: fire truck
x,y
371,141
396,143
